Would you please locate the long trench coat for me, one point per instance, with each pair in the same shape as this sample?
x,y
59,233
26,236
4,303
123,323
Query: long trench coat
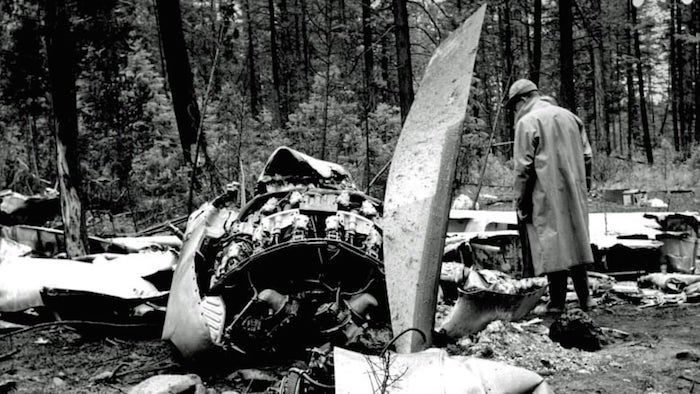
x,y
550,151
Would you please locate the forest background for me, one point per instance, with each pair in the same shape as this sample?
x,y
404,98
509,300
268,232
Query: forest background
x,y
161,84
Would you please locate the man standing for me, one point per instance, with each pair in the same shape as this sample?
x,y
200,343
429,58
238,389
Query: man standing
x,y
552,172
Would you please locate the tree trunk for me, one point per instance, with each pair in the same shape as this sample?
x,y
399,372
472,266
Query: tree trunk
x,y
277,115
299,76
368,54
252,73
306,46
327,75
650,94
287,80
368,79
179,74
389,95
680,67
403,57
618,105
509,130
567,91
61,64
33,145
537,44
602,119
673,71
696,30
507,43
640,82
601,113
630,86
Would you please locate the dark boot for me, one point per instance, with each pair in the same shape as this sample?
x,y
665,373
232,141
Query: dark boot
x,y
579,276
557,290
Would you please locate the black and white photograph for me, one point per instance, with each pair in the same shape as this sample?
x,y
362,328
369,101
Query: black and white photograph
x,y
349,196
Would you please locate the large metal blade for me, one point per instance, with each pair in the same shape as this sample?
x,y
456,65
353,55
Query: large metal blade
x,y
420,180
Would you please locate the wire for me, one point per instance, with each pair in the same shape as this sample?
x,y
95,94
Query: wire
x,y
386,347
362,290
309,379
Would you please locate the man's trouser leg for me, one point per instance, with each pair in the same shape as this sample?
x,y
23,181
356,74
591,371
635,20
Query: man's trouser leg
x,y
557,289
579,276
528,266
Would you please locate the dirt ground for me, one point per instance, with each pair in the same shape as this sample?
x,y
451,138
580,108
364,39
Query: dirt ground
x,y
58,360
647,361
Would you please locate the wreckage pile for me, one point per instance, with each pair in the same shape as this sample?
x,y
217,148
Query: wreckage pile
x,y
124,279
660,289
298,266
527,345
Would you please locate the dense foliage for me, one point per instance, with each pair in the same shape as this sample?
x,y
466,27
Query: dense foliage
x,y
319,88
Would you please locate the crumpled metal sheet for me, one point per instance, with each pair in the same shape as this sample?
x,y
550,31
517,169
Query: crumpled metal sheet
x,y
486,298
136,244
16,208
22,280
286,161
430,371
10,248
632,230
139,264
668,282
185,324
48,242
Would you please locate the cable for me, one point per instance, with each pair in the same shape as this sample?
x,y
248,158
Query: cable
x,y
309,379
386,347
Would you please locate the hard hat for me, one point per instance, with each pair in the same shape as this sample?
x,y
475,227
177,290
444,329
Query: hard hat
x,y
517,89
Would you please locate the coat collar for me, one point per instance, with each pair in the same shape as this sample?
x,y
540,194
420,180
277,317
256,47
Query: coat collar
x,y
535,103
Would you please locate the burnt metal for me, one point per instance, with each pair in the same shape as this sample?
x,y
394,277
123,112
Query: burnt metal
x,y
300,265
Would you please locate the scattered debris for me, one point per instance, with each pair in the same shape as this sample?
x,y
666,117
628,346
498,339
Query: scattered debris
x,y
525,346
7,386
102,376
48,242
8,355
58,382
576,329
170,384
655,203
463,201
249,374
670,283
254,379
613,333
690,379
688,355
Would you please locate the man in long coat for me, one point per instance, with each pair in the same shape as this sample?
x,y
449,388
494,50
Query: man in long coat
x,y
552,166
